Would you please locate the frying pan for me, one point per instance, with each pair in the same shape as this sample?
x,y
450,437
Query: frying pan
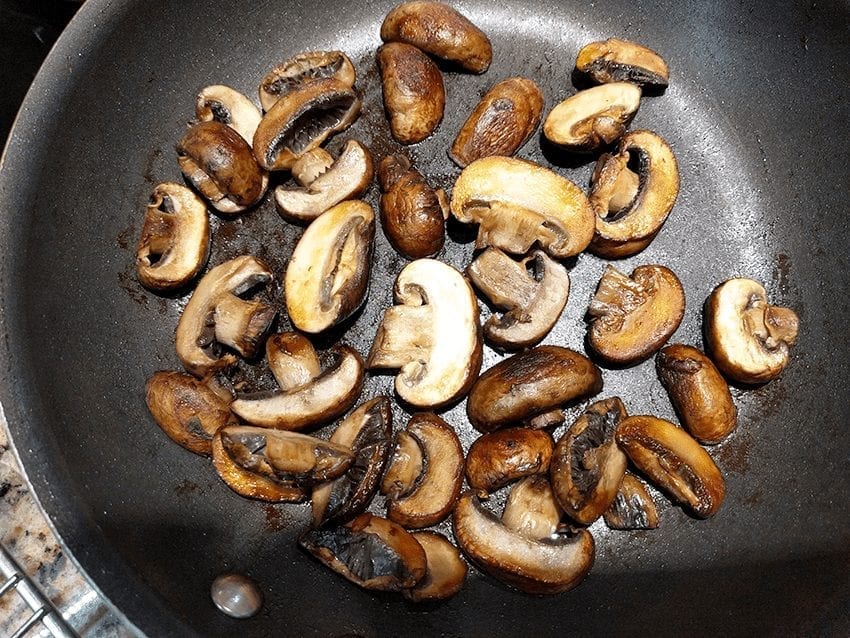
x,y
755,113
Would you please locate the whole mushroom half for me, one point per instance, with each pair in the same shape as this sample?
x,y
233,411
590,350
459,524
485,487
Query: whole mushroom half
x,y
533,291
615,60
432,336
518,204
302,69
228,106
219,163
328,274
175,240
632,192
749,339
303,119
501,122
347,177
593,117
440,30
632,317
217,315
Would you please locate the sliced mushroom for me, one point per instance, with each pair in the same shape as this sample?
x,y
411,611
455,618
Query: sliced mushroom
x,y
528,384
347,178
518,203
593,117
440,30
432,337
274,465
698,392
228,106
533,291
303,119
175,241
673,460
501,122
497,458
414,95
412,213
633,507
218,162
587,466
292,360
369,551
435,489
632,317
368,432
748,338
546,566
328,273
532,509
632,205
189,411
215,314
302,69
318,401
446,571
615,60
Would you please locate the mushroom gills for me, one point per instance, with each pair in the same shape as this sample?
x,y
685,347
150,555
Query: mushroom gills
x,y
325,114
633,508
616,60
303,68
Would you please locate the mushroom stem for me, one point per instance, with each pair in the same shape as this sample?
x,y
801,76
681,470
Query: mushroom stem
x,y
617,296
782,326
513,228
242,324
505,281
404,339
626,187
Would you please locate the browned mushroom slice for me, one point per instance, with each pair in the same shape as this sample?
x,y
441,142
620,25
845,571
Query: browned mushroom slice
x,y
432,337
292,360
546,566
369,551
673,460
303,68
216,315
446,571
219,163
230,107
318,401
175,240
497,458
440,30
633,507
518,204
632,205
368,432
748,338
528,384
587,466
189,411
501,122
328,273
532,509
434,491
698,392
412,213
593,117
632,317
534,292
274,465
414,95
346,178
615,60
302,120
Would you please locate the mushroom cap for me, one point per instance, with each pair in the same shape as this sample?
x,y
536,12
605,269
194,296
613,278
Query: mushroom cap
x,y
518,203
615,60
433,336
748,338
228,106
174,244
303,68
497,458
328,274
593,117
347,178
446,569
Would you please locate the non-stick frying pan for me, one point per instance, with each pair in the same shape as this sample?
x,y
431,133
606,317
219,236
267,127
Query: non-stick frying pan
x,y
756,113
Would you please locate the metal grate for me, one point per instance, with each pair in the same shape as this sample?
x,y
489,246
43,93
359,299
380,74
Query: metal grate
x,y
14,579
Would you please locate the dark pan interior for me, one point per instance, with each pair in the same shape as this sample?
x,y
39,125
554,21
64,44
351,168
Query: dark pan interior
x,y
756,114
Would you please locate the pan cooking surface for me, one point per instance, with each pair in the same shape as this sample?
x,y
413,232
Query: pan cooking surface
x,y
761,197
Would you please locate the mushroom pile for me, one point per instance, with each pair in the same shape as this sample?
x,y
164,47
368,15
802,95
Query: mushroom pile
x,y
374,487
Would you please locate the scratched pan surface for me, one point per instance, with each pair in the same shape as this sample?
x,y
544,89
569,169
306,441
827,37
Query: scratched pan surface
x,y
755,113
